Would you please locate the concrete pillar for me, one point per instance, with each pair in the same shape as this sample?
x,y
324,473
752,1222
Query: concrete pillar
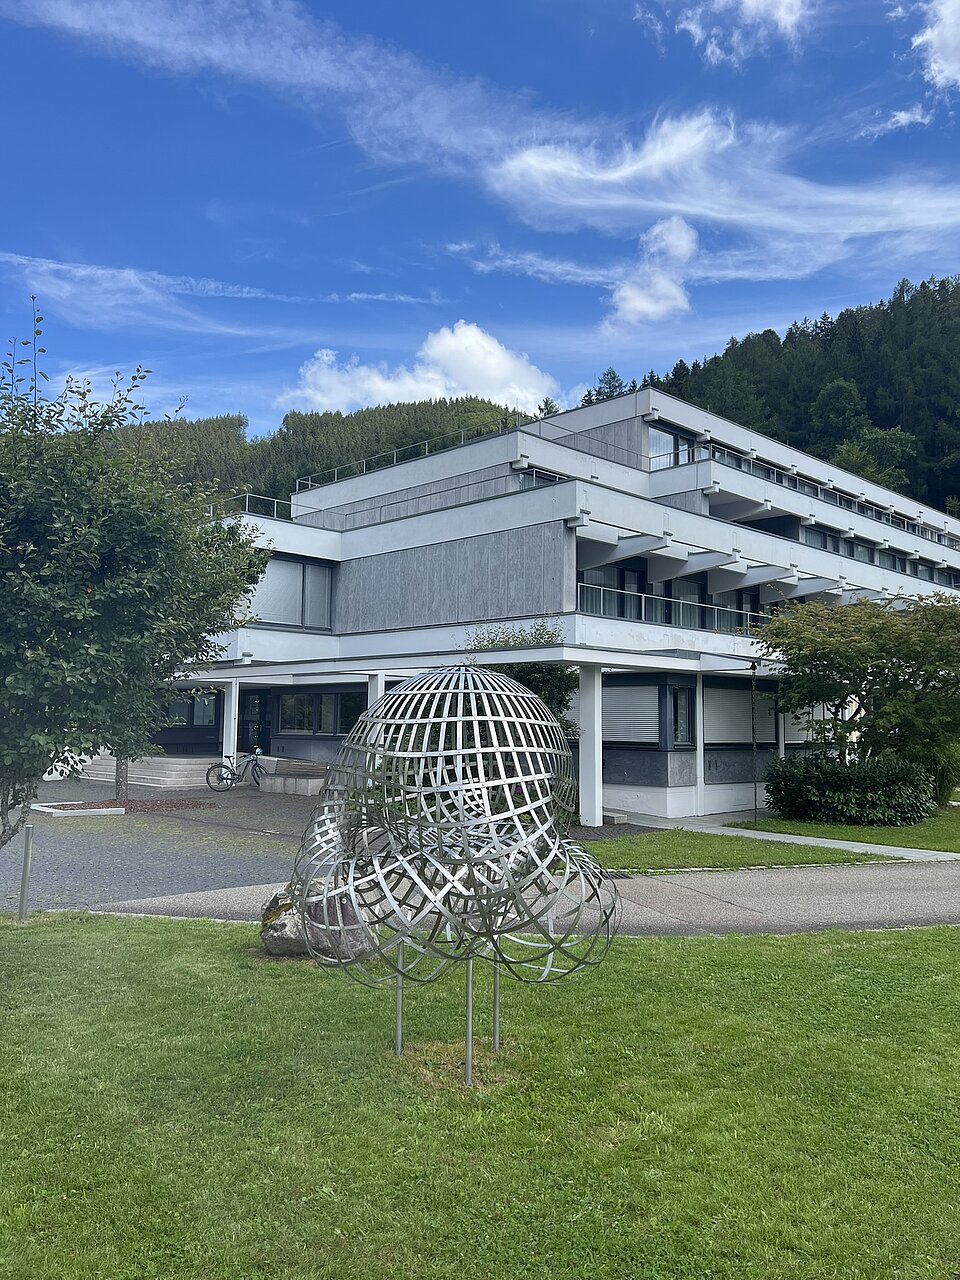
x,y
591,746
701,794
781,734
376,687
231,718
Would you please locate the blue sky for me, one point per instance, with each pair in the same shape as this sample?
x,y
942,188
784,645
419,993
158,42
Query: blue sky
x,y
283,205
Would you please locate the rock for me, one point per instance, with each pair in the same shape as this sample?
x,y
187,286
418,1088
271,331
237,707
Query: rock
x,y
282,932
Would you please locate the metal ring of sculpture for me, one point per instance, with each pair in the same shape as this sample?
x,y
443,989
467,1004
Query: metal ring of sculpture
x,y
440,838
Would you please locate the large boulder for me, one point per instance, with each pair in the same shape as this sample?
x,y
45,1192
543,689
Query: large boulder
x,y
282,931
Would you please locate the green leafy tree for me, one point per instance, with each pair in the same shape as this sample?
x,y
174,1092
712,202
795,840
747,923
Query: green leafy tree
x,y
115,579
880,456
886,673
547,408
553,682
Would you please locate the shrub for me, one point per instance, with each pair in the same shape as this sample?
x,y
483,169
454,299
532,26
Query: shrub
x,y
943,766
818,787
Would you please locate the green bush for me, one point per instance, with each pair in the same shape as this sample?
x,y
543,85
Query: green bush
x,y
943,766
818,787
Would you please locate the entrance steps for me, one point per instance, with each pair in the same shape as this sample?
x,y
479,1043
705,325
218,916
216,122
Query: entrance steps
x,y
174,773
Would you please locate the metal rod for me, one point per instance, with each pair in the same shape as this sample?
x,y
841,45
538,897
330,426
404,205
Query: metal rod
x,y
25,873
398,1030
468,1056
496,1007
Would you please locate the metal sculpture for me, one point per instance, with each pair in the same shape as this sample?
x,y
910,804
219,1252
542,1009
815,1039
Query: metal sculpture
x,y
440,839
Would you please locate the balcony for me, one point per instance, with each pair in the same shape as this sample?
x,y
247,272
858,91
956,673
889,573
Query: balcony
x,y
631,606
694,453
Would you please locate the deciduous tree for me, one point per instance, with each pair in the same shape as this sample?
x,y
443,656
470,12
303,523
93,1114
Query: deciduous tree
x,y
115,579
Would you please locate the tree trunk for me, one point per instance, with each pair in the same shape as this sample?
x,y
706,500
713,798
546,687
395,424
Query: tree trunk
x,y
15,801
122,789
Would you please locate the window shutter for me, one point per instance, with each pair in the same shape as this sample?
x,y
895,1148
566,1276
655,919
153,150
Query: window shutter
x,y
279,594
726,716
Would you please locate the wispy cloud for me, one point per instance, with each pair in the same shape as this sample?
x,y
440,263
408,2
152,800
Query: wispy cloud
x,y
461,360
102,297
727,31
906,118
737,184
939,43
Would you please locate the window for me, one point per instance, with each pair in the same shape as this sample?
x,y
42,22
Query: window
x,y
324,713
352,707
204,709
296,713
178,711
687,597
316,595
293,594
821,538
666,449
682,717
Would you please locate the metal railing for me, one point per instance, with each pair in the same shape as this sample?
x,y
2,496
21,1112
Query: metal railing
x,y
633,606
407,453
690,453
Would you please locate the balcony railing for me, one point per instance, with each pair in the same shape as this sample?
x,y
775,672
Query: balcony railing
x,y
632,606
687,453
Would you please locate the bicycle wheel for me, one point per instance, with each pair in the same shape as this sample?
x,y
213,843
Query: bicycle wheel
x,y
220,777
257,772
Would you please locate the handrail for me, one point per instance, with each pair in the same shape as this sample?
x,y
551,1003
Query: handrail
x,y
691,453
635,606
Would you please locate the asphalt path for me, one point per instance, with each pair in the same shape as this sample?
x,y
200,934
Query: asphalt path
x,y
773,900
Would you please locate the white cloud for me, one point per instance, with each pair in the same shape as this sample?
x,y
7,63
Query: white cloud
x,y
463,360
101,297
904,119
729,31
939,43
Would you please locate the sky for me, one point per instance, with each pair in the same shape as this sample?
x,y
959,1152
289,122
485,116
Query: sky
x,y
288,204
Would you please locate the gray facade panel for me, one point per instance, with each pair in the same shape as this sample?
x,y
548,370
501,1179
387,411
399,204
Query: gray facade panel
x,y
507,574
735,765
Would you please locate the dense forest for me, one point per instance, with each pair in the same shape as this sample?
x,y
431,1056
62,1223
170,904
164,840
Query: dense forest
x,y
875,389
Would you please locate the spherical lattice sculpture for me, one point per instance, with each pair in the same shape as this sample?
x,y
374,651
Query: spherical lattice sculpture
x,y
440,837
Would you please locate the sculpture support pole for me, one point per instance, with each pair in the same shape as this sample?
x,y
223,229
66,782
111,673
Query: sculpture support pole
x,y
468,1057
496,1007
398,1030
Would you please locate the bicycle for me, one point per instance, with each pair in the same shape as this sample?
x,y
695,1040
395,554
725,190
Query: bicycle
x,y
224,776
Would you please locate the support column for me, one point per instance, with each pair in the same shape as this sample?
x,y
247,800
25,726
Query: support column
x,y
701,794
231,718
376,687
591,746
781,734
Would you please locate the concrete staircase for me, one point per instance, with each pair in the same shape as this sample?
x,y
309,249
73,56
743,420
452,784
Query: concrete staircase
x,y
167,772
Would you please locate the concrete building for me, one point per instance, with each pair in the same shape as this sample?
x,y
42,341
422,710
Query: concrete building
x,y
648,533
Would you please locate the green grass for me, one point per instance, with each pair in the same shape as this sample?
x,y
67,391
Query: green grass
x,y
176,1108
671,850
942,831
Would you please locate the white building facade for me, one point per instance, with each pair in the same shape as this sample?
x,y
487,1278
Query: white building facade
x,y
649,534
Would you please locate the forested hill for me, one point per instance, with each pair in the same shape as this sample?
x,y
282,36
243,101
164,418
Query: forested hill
x,y
875,389
841,387
215,452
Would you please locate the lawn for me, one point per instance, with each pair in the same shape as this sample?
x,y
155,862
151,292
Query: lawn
x,y
176,1108
672,850
942,831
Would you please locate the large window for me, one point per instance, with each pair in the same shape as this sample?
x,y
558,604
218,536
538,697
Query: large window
x,y
293,593
192,710
668,449
296,713
320,713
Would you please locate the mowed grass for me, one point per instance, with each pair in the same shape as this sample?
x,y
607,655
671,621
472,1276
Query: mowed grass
x,y
174,1107
942,831
674,850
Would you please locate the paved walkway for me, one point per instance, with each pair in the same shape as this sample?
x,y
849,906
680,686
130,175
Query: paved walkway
x,y
714,826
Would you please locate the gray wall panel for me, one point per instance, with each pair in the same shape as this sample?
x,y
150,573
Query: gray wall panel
x,y
495,575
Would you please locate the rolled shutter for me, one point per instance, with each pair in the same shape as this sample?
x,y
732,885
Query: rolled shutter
x,y
726,716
